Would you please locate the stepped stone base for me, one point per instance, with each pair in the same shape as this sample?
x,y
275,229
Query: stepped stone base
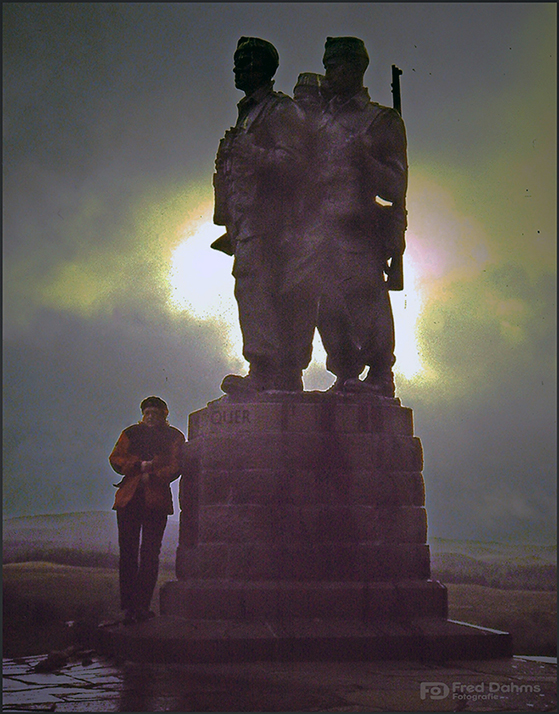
x,y
303,536
239,601
177,639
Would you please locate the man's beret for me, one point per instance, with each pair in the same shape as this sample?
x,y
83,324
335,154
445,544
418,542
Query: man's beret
x,y
156,402
263,46
344,47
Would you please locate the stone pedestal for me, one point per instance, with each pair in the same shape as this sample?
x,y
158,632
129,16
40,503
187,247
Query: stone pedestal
x,y
303,534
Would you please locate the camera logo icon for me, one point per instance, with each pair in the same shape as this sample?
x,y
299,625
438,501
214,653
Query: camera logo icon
x,y
433,690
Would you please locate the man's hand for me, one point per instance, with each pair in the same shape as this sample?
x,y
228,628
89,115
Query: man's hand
x,y
145,468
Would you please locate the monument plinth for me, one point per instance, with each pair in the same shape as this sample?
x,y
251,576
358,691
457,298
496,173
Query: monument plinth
x,y
303,534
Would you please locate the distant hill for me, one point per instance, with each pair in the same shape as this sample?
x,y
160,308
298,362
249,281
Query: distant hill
x,y
498,565
89,532
60,537
496,552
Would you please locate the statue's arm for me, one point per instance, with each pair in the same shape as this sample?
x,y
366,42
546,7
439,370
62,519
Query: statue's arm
x,y
387,157
277,144
286,130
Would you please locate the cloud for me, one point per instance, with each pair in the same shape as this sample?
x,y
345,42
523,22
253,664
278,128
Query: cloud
x,y
113,114
71,386
485,405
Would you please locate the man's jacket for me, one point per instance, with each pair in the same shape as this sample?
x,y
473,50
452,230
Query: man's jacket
x,y
162,445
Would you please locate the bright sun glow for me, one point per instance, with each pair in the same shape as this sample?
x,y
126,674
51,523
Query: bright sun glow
x,y
406,306
202,284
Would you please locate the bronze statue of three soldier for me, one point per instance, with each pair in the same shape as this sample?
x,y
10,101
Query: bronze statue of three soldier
x,y
312,193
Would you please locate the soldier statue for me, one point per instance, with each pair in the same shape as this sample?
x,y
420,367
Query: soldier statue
x,y
312,194
356,217
257,194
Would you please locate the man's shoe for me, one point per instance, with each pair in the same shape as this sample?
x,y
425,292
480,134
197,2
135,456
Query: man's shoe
x,y
143,615
129,618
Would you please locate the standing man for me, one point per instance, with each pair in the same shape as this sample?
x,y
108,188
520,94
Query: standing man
x,y
359,219
258,169
149,455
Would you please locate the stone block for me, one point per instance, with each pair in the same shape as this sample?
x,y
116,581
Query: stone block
x,y
378,600
244,486
334,601
171,639
331,415
423,598
235,523
212,601
303,561
283,600
315,451
399,453
202,561
376,487
261,600
288,524
388,525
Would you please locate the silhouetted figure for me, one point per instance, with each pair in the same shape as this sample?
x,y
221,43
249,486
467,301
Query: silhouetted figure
x,y
307,93
258,169
356,219
149,455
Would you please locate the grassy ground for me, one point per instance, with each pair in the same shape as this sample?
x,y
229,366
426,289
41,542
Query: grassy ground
x,y
529,615
40,597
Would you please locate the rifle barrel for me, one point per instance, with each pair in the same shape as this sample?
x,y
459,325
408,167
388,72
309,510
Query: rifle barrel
x,y
396,99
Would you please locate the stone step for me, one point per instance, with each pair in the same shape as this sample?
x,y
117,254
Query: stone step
x,y
327,416
310,524
175,639
305,487
318,561
328,453
238,600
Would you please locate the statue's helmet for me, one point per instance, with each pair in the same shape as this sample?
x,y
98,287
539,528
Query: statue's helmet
x,y
265,49
309,80
351,48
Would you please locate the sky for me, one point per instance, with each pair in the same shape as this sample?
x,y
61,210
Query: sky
x,y
112,116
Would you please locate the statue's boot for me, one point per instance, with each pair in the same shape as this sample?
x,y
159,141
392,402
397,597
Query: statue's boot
x,y
261,378
252,384
339,386
235,384
288,381
380,385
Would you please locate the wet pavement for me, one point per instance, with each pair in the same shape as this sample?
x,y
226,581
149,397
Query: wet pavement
x,y
99,684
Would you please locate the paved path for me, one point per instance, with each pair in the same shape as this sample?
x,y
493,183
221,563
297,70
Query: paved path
x,y
518,684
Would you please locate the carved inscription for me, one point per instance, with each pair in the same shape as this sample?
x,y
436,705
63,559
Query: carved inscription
x,y
230,416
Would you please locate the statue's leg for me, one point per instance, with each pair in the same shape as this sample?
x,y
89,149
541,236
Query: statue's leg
x,y
378,347
256,295
298,310
334,322
369,305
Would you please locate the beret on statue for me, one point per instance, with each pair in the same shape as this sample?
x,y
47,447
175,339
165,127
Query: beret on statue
x,y
346,47
154,402
263,46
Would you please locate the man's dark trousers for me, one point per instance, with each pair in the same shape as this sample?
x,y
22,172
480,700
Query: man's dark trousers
x,y
138,579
